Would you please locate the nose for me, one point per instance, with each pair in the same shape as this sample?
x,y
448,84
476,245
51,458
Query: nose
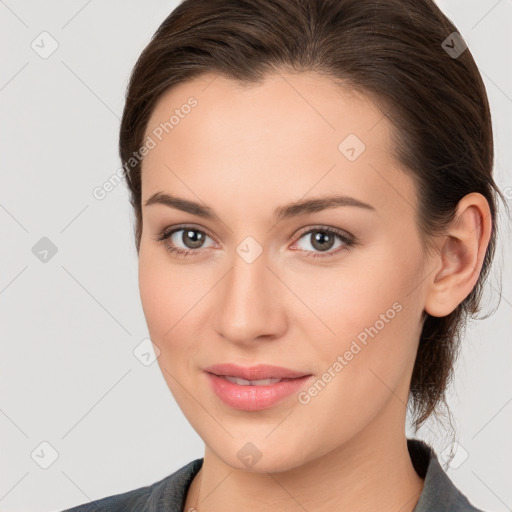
x,y
248,302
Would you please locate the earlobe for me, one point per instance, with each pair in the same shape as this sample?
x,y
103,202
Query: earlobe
x,y
460,257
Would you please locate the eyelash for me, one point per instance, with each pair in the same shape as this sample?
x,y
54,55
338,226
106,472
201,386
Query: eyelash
x,y
348,241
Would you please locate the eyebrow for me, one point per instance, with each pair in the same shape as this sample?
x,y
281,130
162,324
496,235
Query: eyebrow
x,y
286,211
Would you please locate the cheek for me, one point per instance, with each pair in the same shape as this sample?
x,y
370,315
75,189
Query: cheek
x,y
354,300
371,287
164,301
370,318
163,293
171,300
154,287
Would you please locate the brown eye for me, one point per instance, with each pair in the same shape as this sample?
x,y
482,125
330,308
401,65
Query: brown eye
x,y
183,240
321,240
192,238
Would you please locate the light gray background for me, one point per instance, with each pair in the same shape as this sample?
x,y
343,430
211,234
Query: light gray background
x,y
69,326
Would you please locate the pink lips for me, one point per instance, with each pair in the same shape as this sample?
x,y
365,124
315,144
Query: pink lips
x,y
254,397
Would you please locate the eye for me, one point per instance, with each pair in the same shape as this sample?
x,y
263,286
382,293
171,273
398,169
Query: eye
x,y
192,238
322,239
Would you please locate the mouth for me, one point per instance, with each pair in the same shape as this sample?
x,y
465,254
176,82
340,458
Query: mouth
x,y
256,388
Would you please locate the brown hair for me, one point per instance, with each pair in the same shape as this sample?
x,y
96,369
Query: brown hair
x,y
393,51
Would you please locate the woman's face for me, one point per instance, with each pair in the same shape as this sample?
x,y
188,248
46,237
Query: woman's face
x,y
264,283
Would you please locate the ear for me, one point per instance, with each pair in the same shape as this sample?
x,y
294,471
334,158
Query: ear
x,y
460,256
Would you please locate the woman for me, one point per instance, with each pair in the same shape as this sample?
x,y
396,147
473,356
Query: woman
x,y
315,219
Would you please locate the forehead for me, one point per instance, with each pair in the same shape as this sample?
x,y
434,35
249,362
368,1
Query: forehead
x,y
292,133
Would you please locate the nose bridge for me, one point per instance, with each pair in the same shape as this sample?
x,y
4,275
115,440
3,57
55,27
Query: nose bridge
x,y
246,306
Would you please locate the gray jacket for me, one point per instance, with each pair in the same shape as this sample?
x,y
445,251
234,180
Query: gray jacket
x,y
168,495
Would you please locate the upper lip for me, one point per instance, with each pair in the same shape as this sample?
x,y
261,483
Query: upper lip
x,y
260,371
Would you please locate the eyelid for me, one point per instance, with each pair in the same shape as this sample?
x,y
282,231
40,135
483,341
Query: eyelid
x,y
347,239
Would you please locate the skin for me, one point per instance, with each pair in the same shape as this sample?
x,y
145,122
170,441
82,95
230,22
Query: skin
x,y
244,151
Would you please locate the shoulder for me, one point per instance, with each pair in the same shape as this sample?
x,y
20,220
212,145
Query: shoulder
x,y
166,495
439,492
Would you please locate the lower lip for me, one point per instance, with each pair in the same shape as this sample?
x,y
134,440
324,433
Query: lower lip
x,y
254,398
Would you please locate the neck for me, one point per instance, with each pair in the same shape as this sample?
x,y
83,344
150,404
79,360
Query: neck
x,y
371,471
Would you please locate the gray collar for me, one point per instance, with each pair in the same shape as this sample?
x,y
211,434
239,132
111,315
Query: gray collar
x,y
439,493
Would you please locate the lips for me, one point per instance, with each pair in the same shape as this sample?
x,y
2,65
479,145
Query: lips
x,y
253,374
255,395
